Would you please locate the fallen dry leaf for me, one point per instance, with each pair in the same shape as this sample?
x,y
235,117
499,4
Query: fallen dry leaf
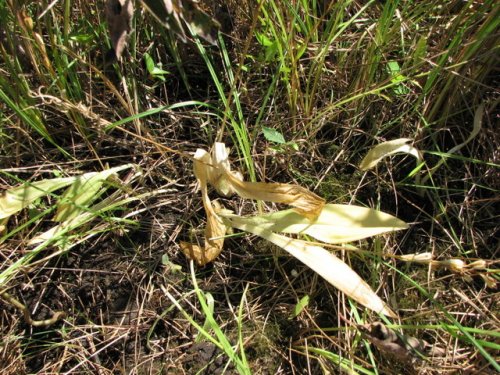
x,y
219,168
336,224
215,169
304,201
376,154
227,182
215,231
326,264
15,199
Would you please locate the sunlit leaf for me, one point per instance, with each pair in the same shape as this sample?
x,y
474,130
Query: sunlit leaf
x,y
396,77
74,207
219,175
3,224
423,258
84,190
15,199
335,224
272,135
306,203
327,265
220,168
215,228
153,69
384,149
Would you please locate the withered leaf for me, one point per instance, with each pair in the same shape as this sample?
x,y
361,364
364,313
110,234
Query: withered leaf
x,y
304,201
225,181
215,169
323,262
215,230
119,15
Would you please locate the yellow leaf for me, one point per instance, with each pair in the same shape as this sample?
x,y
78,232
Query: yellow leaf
x,y
305,202
221,168
215,170
15,199
211,170
3,223
422,258
84,190
336,223
215,231
384,149
331,268
222,178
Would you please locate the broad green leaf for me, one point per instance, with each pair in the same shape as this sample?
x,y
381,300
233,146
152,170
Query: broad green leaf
x,y
336,223
84,190
396,77
331,268
15,199
272,135
388,148
152,68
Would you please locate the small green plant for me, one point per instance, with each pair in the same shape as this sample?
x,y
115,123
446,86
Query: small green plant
x,y
235,353
274,136
154,70
397,78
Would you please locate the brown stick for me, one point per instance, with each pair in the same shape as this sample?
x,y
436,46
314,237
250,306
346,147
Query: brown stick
x,y
27,316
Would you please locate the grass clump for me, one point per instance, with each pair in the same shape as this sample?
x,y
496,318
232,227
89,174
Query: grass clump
x,y
301,91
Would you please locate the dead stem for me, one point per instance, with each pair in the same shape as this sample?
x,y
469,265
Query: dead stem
x,y
27,316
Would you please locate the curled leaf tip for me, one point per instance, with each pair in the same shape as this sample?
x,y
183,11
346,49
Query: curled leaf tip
x,y
380,151
305,202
